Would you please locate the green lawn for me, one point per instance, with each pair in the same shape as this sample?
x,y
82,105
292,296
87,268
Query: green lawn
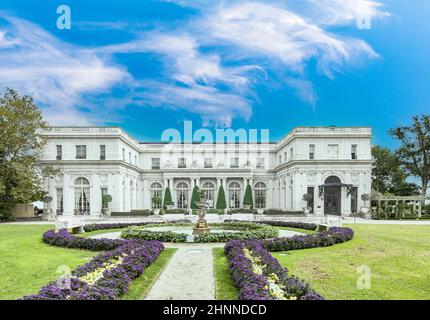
x,y
26,263
398,257
140,286
224,287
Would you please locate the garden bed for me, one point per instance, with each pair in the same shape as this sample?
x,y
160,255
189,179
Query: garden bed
x,y
259,276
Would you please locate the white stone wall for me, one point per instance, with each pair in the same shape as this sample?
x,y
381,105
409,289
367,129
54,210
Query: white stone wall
x,y
127,172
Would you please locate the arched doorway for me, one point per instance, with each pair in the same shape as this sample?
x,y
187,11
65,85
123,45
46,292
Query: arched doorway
x,y
332,196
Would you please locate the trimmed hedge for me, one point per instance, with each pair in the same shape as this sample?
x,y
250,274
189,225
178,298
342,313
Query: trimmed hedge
x,y
133,213
333,236
220,201
259,276
106,277
282,212
165,236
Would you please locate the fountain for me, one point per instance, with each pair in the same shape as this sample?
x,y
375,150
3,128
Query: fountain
x,y
201,226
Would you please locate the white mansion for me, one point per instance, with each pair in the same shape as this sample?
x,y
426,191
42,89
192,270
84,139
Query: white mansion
x,y
332,164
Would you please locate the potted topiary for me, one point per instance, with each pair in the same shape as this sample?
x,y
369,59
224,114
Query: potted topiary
x,y
156,203
247,199
365,197
307,198
168,203
106,199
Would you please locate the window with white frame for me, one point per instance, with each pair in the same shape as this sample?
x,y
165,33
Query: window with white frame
x,y
354,152
234,163
59,192
260,163
182,163
182,191
311,151
155,163
260,195
59,152
102,152
156,194
104,192
208,189
208,162
81,152
82,196
234,191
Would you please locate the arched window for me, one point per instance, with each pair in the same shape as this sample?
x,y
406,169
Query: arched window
x,y
182,191
260,195
82,196
234,190
156,192
332,180
208,189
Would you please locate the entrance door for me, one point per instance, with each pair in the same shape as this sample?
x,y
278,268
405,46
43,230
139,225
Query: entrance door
x,y
332,201
332,196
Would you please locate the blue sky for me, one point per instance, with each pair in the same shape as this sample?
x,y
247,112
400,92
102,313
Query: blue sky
x,y
150,65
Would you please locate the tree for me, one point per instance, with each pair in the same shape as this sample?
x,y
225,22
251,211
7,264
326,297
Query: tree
x,y
20,149
195,197
414,152
387,174
167,198
247,198
220,201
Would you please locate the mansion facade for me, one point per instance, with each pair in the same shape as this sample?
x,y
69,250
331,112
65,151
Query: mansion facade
x,y
332,164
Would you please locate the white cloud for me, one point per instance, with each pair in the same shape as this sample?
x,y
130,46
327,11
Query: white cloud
x,y
55,73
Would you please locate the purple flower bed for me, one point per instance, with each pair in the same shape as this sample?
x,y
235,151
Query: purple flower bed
x,y
253,286
64,239
331,237
114,282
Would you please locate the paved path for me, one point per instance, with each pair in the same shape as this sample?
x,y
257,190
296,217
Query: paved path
x,y
189,275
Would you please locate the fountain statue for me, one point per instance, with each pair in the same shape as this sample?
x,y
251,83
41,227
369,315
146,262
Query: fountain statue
x,y
202,226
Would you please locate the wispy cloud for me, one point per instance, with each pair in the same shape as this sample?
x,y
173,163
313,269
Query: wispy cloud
x,y
55,73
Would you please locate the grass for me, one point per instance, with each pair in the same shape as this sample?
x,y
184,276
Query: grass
x,y
398,257
28,264
224,287
93,233
140,286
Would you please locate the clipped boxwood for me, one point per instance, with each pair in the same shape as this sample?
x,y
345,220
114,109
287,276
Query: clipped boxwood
x,y
143,234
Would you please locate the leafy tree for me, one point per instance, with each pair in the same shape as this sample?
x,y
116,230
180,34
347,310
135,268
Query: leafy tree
x,y
20,149
414,152
387,174
167,198
195,197
247,198
220,201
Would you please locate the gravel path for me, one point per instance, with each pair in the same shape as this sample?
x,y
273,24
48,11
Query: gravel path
x,y
189,275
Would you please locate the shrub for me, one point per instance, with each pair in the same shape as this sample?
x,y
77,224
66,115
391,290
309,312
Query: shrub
x,y
247,199
167,198
195,197
220,201
289,224
282,212
259,276
141,233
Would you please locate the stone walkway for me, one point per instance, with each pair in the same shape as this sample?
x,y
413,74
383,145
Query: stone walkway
x,y
189,275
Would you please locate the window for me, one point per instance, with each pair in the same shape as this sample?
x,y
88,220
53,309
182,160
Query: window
x,y
135,160
208,162
156,192
59,152
354,200
81,152
82,196
208,189
104,192
234,163
291,154
260,163
311,151
182,163
59,201
129,157
155,163
123,154
354,152
280,160
260,195
234,190
333,151
182,190
285,156
102,152
311,191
